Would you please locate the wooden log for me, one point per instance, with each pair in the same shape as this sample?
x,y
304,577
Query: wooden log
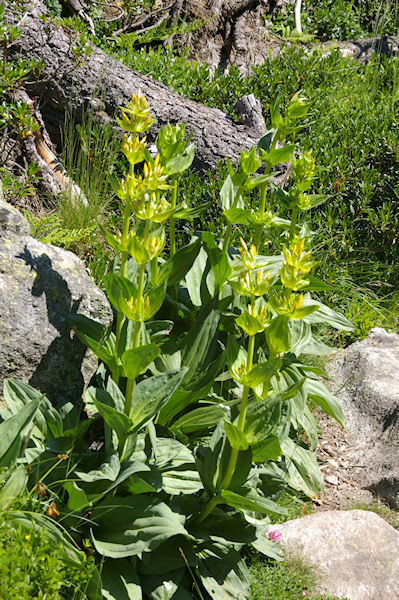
x,y
104,84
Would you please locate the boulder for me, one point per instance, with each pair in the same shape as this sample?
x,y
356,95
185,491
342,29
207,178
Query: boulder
x,y
356,553
40,285
365,377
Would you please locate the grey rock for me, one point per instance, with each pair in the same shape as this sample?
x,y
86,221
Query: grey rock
x,y
11,219
356,553
40,285
365,377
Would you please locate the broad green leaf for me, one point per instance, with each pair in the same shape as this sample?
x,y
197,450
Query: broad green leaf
x,y
221,526
13,487
278,335
13,431
116,420
131,525
249,323
324,314
301,334
181,162
77,499
165,587
262,373
268,449
224,574
119,580
268,548
228,194
249,499
47,419
177,465
195,280
310,426
218,260
237,438
199,419
136,360
303,472
115,399
279,155
108,469
99,338
262,419
241,216
193,212
167,557
177,266
151,394
320,394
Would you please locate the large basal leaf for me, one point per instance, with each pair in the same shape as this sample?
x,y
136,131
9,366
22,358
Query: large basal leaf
x,y
268,548
198,419
324,314
47,419
13,487
248,499
268,449
108,469
318,392
151,394
223,526
224,575
129,526
173,554
303,472
12,432
164,587
177,465
119,580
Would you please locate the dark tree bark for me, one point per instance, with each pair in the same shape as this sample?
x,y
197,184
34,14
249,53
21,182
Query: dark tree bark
x,y
104,84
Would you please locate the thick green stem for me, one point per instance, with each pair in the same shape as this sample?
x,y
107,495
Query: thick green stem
x,y
172,220
208,508
263,193
124,257
136,335
229,229
294,219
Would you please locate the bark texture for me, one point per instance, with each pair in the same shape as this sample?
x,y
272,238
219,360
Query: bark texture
x,y
104,84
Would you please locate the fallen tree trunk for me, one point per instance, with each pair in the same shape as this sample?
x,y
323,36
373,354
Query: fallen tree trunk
x,y
99,82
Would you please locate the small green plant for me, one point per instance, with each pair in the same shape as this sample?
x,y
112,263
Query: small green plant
x,y
31,568
196,412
